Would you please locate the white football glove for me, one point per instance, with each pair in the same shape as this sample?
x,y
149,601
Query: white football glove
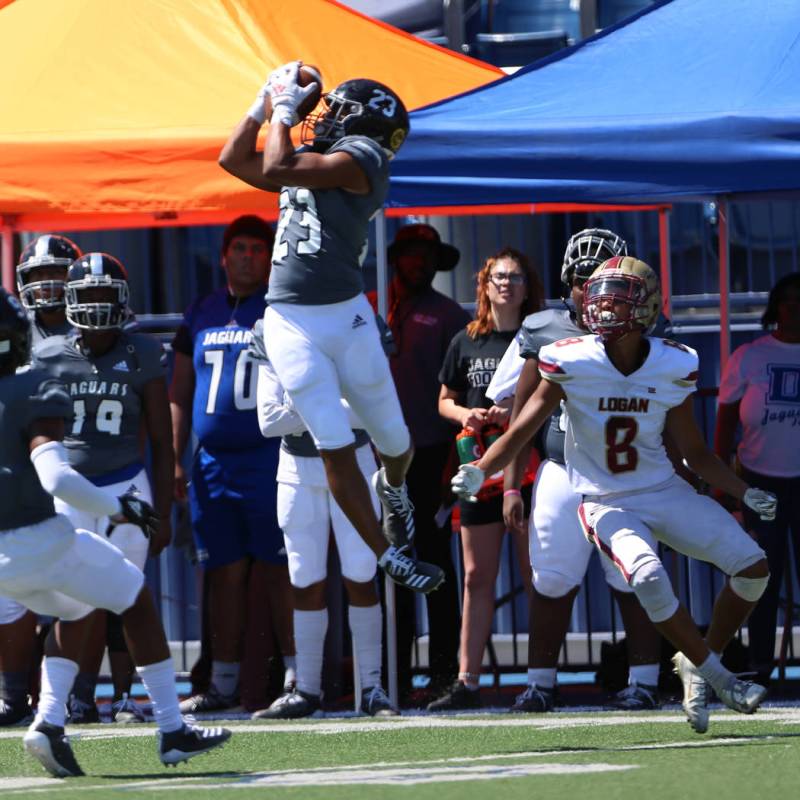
x,y
286,94
467,482
763,503
257,110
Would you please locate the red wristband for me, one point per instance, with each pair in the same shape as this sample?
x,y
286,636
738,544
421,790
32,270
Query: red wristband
x,y
507,492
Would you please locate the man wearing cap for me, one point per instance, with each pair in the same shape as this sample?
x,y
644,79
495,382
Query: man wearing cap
x,y
423,321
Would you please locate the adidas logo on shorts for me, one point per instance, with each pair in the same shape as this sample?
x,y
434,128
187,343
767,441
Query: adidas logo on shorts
x,y
121,366
358,321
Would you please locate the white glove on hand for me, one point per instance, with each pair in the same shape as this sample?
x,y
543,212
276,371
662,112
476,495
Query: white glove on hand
x,y
257,110
467,482
763,503
286,94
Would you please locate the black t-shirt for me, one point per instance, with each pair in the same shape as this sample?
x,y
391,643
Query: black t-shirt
x,y
470,364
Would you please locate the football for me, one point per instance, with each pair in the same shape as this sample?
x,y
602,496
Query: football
x,y
307,74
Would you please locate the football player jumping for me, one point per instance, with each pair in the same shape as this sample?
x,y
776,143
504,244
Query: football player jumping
x,y
319,329
622,389
52,569
558,549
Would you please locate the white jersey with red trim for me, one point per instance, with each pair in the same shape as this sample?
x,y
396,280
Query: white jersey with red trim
x,y
614,433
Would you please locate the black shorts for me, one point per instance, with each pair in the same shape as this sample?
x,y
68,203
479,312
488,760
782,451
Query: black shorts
x,y
485,512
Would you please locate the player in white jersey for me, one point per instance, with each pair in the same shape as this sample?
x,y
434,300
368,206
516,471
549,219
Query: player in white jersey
x,y
622,390
307,512
559,552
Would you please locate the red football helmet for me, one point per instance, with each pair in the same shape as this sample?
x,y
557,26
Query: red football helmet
x,y
626,281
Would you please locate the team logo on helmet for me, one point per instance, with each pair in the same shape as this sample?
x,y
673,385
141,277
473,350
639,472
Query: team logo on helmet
x,y
42,271
587,250
622,295
97,293
358,107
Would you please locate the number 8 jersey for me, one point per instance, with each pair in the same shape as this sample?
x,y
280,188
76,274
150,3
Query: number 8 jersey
x,y
614,434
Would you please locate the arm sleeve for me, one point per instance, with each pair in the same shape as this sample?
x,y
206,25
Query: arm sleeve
x,y
60,480
276,414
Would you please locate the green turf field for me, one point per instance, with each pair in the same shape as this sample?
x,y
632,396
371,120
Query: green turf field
x,y
589,755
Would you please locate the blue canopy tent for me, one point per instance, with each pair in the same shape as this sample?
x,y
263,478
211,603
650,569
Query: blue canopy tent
x,y
688,100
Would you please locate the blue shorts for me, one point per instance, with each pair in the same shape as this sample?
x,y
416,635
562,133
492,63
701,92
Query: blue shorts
x,y
233,502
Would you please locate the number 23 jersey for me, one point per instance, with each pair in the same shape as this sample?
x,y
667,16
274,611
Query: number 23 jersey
x,y
614,435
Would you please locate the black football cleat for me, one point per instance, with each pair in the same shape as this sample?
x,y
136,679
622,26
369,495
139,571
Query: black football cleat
x,y
188,742
51,748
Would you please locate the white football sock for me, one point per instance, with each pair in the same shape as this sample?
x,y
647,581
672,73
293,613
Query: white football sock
x,y
159,680
289,670
543,678
714,672
643,675
225,677
58,675
310,628
366,627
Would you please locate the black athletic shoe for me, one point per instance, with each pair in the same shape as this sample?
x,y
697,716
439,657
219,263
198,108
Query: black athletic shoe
x,y
406,571
212,700
188,742
398,511
636,697
51,748
292,705
534,700
15,713
376,703
458,698
79,712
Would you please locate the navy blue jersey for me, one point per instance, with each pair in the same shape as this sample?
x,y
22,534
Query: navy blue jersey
x,y
216,333
25,397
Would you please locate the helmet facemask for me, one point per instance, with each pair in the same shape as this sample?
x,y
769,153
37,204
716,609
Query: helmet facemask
x,y
38,294
634,286
89,313
322,130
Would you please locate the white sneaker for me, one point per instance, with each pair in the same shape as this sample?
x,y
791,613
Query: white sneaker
x,y
695,692
742,696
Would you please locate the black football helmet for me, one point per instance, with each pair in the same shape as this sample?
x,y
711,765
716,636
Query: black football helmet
x,y
15,333
358,107
88,274
45,251
587,250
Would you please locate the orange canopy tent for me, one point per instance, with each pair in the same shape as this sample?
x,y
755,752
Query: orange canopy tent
x,y
112,114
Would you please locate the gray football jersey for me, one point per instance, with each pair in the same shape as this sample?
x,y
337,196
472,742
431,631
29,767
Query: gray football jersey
x,y
39,333
25,397
106,393
538,330
321,238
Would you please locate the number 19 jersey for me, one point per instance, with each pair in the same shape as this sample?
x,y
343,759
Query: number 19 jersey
x,y
614,434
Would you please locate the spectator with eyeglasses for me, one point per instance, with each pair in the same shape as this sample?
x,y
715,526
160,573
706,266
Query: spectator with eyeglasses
x,y
508,290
